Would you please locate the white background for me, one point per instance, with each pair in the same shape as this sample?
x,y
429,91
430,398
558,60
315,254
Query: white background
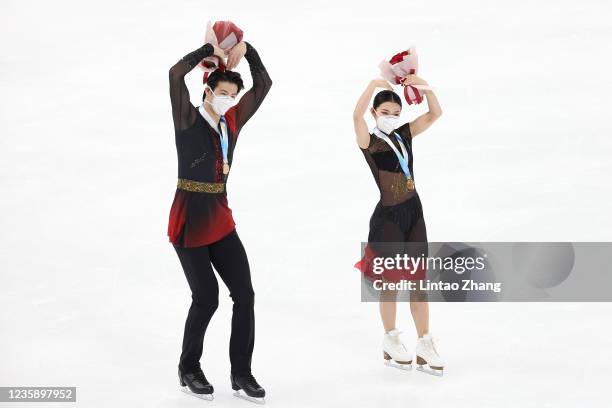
x,y
93,296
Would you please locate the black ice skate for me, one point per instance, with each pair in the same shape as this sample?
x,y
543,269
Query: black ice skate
x,y
196,384
247,388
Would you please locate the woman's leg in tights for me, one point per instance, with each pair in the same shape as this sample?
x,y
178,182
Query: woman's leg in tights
x,y
204,295
388,233
388,309
419,307
230,260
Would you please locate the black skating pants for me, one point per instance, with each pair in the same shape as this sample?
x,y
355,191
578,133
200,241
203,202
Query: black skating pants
x,y
230,261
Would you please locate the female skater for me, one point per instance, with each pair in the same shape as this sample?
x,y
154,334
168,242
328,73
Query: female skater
x,y
398,216
201,226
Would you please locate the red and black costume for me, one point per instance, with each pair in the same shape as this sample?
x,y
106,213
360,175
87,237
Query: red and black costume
x,y
202,217
201,226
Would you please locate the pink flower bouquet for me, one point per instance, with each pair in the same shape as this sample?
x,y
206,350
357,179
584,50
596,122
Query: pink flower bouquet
x,y
223,34
398,67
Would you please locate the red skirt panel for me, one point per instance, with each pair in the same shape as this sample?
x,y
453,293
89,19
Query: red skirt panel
x,y
198,219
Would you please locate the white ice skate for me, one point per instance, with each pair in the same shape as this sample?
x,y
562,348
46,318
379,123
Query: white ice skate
x,y
394,352
426,354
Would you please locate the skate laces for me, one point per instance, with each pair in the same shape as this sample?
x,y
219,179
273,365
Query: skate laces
x,y
430,344
199,375
251,379
395,338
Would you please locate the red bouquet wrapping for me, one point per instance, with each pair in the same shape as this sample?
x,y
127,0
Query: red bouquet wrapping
x,y
223,34
398,67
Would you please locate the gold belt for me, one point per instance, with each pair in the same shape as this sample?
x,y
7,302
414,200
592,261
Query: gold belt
x,y
200,187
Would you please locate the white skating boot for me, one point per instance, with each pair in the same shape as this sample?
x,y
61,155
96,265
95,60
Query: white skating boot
x,y
426,354
395,353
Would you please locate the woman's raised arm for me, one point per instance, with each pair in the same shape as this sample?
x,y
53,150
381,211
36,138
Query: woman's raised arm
x,y
361,127
435,111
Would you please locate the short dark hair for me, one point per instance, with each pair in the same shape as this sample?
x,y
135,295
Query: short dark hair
x,y
224,76
386,96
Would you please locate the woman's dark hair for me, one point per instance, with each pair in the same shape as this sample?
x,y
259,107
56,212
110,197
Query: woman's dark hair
x,y
224,76
386,96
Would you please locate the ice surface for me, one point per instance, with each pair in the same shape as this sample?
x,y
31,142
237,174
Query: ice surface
x,y
92,294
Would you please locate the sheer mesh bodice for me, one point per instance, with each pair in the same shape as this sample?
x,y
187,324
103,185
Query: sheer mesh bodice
x,y
398,216
386,169
200,218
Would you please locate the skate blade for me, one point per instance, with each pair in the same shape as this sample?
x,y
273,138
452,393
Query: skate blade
x,y
207,397
430,371
393,364
241,394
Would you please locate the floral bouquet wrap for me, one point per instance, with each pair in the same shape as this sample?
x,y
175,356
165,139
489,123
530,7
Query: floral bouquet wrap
x,y
223,34
399,67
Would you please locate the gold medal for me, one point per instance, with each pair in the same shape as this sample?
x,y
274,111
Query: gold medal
x,y
225,168
410,184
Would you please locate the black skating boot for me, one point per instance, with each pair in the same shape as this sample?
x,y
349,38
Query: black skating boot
x,y
196,384
251,391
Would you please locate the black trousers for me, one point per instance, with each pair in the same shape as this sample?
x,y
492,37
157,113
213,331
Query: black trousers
x,y
229,259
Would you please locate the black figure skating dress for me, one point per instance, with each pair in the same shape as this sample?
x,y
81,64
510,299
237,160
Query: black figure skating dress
x,y
398,216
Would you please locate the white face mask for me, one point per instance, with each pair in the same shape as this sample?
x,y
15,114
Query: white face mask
x,y
387,123
221,103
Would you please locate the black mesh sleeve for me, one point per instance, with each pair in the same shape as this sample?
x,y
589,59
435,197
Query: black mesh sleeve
x,y
250,101
183,112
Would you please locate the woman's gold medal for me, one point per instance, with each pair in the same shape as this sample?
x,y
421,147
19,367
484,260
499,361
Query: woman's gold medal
x,y
410,184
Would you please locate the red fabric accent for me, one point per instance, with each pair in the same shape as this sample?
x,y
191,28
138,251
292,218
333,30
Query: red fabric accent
x,y
407,96
199,225
217,232
218,158
417,93
177,216
419,96
366,266
399,57
209,230
230,119
224,28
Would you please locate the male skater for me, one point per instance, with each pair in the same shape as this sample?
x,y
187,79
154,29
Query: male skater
x,y
201,226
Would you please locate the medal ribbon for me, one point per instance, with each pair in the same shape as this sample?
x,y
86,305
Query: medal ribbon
x,y
401,157
224,138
